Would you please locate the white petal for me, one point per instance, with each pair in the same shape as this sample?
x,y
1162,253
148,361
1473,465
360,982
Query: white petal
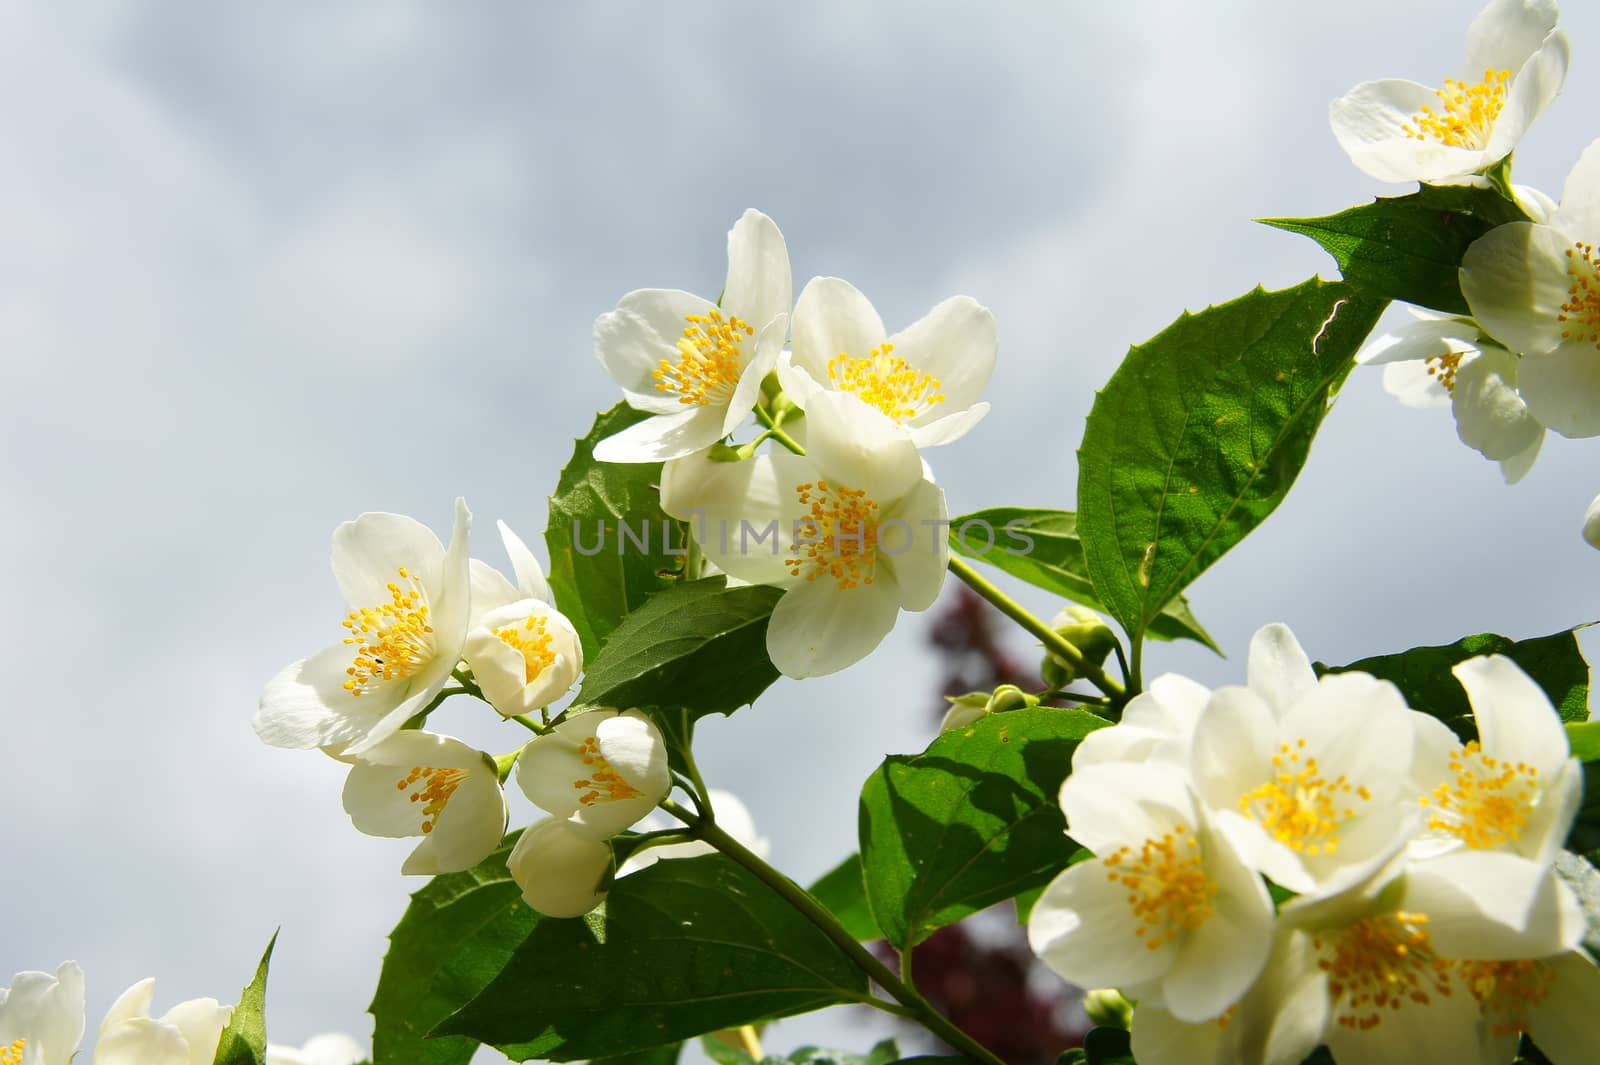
x,y
1443,1030
369,551
1359,728
1493,906
631,341
530,575
1562,389
855,445
1532,89
1490,416
1516,722
634,747
131,1004
1413,385
1566,1024
306,704
562,872
141,1041
549,764
1109,806
1515,280
490,589
1579,213
1159,1038
468,830
916,551
664,436
759,287
1278,669
950,427
332,1048
832,318
1591,523
735,511
956,343
201,1021
1506,33
1218,961
764,359
1517,466
798,384
1234,742
46,1009
1083,929
1421,339
1369,123
818,628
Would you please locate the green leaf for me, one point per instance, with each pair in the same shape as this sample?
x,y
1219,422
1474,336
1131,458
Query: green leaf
x,y
244,1040
598,570
661,1055
1409,247
1422,674
683,947
1200,434
701,646
970,822
1107,1046
457,933
1042,548
1584,739
843,891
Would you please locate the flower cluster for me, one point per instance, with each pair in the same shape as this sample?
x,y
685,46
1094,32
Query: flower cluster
x,y
1527,357
1418,902
846,516
42,1023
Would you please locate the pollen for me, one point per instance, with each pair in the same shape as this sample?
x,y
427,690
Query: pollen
x,y
603,784
11,1054
1488,802
531,641
841,535
432,788
1580,315
1299,807
1444,367
1506,990
709,359
884,380
1378,965
393,639
1466,113
1168,889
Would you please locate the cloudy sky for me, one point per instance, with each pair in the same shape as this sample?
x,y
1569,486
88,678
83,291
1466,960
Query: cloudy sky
x,y
266,267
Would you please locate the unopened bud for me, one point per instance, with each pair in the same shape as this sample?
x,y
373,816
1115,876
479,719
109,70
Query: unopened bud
x,y
1591,523
1010,697
1107,1008
1085,630
964,710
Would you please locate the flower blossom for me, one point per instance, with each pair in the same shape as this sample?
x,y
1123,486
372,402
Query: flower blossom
x,y
330,1048
187,1034
1397,130
693,365
600,770
41,1017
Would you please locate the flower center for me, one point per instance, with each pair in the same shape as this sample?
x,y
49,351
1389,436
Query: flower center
x,y
393,639
1506,989
1379,964
532,642
1298,807
1488,802
1581,312
433,788
842,535
604,783
1444,367
12,1054
1466,113
709,361
1168,888
886,381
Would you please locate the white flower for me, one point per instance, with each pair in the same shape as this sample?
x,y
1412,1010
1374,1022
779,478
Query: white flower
x,y
1591,523
697,366
599,769
927,378
330,1048
41,1017
524,654
1157,726
732,816
409,603
1438,361
422,784
854,529
1398,130
1536,288
562,870
1555,1000
1167,911
187,1034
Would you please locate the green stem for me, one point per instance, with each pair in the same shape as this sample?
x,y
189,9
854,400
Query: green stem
x,y
529,723
1135,677
1053,640
914,1005
775,430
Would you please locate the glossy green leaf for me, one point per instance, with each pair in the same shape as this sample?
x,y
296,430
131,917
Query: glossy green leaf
x,y
1584,739
661,1055
244,1040
1409,247
1107,1046
970,822
681,948
1042,547
843,891
610,544
1200,434
457,933
701,646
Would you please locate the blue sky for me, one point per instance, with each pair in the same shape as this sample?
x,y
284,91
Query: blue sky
x,y
267,267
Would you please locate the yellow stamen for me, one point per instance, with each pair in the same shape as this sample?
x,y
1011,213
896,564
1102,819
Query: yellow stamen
x,y
1466,114
886,381
840,537
1506,989
1581,313
1298,807
532,642
1378,965
393,639
604,784
12,1054
436,787
1444,367
1488,802
1168,888
709,361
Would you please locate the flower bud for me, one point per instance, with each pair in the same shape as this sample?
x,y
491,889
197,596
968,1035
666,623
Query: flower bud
x,y
1085,630
1107,1008
964,710
1591,523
